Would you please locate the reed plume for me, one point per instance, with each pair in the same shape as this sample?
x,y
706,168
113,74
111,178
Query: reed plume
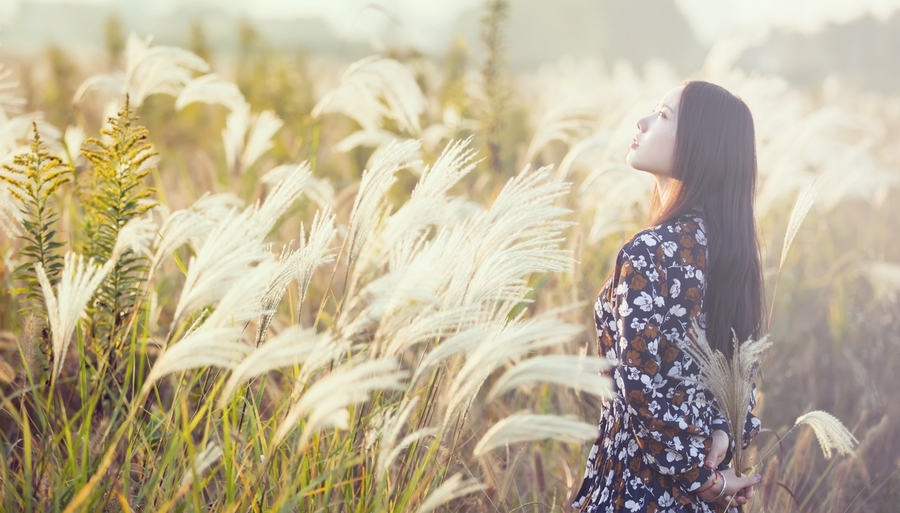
x,y
77,284
453,487
290,347
326,401
502,344
210,89
375,88
526,426
730,381
805,201
9,101
246,136
830,432
578,372
10,216
148,70
232,248
368,209
202,461
204,347
391,429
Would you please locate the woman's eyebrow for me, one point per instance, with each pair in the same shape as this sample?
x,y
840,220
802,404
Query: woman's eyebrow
x,y
670,108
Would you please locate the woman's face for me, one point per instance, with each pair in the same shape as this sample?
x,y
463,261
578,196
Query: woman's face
x,y
653,148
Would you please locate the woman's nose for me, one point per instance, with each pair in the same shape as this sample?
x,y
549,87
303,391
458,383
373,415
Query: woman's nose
x,y
641,126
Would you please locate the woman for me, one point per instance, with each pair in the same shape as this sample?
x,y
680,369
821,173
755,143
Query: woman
x,y
663,447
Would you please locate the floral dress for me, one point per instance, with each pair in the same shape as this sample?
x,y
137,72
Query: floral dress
x,y
655,432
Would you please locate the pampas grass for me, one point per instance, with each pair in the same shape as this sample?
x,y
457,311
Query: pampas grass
x,y
202,462
148,70
248,136
578,372
524,426
729,381
10,216
373,89
290,347
204,347
376,181
229,250
194,223
568,124
804,202
258,373
65,306
390,432
504,343
455,486
327,400
830,432
10,102
212,89
315,251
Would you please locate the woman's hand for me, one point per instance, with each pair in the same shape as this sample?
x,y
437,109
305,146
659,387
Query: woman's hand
x,y
718,450
738,490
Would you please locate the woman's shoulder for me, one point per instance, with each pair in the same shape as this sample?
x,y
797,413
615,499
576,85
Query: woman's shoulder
x,y
687,231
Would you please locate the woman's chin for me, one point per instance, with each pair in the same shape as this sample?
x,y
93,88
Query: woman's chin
x,y
630,160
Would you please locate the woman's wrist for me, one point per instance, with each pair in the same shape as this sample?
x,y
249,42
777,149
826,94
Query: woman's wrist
x,y
712,482
722,491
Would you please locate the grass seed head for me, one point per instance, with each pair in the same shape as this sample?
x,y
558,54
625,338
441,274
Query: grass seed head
x,y
830,432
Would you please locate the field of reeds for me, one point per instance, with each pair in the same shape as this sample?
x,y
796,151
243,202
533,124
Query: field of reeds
x,y
269,282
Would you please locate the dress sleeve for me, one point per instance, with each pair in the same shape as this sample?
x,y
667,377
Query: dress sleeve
x,y
657,293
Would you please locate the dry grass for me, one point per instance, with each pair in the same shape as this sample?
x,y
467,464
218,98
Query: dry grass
x,y
411,350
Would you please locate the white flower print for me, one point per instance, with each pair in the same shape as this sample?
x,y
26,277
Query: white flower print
x,y
700,235
673,456
677,311
669,248
666,500
636,324
675,289
644,302
639,263
649,240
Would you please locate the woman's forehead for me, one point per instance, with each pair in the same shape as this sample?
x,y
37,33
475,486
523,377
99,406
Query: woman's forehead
x,y
673,97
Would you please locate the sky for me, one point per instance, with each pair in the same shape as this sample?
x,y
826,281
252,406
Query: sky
x,y
711,19
426,23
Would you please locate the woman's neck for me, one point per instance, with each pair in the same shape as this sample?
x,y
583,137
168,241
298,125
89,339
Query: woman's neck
x,y
662,185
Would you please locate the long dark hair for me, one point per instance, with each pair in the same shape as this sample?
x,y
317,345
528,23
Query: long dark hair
x,y
715,168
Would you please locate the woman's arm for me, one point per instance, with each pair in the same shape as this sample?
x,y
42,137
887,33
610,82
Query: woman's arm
x,y
656,295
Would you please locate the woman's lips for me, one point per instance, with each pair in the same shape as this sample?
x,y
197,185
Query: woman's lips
x,y
634,143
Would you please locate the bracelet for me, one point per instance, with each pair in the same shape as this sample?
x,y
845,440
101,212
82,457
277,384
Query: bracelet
x,y
711,484
724,485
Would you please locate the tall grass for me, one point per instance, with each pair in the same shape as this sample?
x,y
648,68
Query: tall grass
x,y
322,313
